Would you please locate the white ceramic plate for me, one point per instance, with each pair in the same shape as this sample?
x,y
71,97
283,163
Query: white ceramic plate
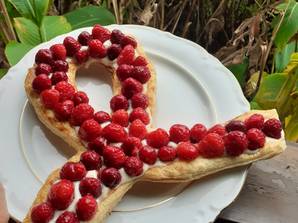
x,y
192,86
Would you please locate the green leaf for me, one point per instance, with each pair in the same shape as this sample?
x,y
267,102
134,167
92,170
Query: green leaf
x,y
27,31
3,71
255,105
289,25
40,8
291,128
12,12
282,58
53,26
239,71
88,16
24,7
269,89
14,51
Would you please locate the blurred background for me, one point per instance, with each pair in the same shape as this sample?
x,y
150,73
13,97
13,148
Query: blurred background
x,y
255,39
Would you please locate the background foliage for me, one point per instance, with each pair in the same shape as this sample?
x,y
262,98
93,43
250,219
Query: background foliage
x,y
255,39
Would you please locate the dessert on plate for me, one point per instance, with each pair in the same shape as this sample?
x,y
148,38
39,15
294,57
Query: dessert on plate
x,y
117,149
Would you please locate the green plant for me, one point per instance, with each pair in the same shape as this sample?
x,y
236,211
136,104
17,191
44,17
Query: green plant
x,y
275,83
32,25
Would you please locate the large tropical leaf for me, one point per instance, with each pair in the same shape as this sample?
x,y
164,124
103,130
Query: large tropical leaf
x,y
52,26
269,90
88,16
24,7
27,31
14,51
282,57
289,25
239,71
40,8
3,71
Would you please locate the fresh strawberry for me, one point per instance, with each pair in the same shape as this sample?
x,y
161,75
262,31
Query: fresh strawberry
x,y
102,117
84,38
272,128
113,51
89,130
139,100
63,110
256,139
236,125
255,121
50,98
137,129
101,33
91,160
128,40
58,51
81,113
167,153
131,146
44,56
197,132
80,97
126,56
43,68
67,217
235,143
59,76
179,133
114,133
72,46
97,145
41,82
119,102
97,49
66,90
218,129
130,87
148,155
120,117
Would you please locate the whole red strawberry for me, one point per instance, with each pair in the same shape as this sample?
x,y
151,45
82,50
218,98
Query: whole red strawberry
x,y
89,130
81,113
158,138
272,128
91,160
67,217
86,208
73,171
110,177
137,129
141,114
179,133
167,153
187,151
60,65
50,98
198,132
66,90
235,143
133,166
212,145
91,186
114,133
42,213
148,155
61,194
113,157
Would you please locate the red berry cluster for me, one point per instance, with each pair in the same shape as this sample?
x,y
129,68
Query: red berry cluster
x,y
180,142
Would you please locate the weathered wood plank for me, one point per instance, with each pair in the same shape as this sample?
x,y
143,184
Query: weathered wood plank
x,y
270,194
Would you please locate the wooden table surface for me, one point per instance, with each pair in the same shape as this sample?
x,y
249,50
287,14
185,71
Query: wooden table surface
x,y
270,193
